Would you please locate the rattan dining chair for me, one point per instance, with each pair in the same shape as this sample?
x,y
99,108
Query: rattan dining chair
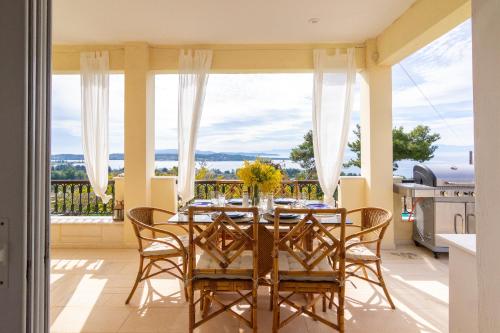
x,y
229,266
303,265
157,245
374,223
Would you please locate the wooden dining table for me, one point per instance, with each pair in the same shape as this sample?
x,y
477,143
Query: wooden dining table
x,y
266,232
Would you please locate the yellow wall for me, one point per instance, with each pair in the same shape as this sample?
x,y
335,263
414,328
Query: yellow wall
x,y
100,234
119,188
163,192
403,230
352,193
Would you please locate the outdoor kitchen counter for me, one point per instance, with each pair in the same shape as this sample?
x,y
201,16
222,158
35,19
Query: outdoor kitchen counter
x,y
463,282
465,242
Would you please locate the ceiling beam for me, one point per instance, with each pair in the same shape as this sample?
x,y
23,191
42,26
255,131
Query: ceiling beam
x,y
423,22
228,58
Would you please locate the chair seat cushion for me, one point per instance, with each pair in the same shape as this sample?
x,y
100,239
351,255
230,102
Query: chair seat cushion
x,y
284,228
207,267
159,249
359,252
292,270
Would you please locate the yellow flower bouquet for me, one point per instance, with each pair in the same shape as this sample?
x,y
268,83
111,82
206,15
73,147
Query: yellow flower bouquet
x,y
259,176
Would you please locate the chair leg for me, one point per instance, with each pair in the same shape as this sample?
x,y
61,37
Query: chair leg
x,y
330,304
206,303
184,275
254,307
276,310
271,298
192,314
202,299
384,287
186,293
137,280
313,305
340,309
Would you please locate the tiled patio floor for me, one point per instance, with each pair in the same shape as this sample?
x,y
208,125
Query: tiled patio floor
x,y
89,288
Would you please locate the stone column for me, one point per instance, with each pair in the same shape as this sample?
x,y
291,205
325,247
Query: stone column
x,y
376,135
139,130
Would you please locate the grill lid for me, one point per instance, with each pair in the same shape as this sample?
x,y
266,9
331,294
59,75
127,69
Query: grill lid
x,y
444,175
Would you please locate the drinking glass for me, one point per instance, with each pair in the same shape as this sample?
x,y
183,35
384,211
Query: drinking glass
x,y
212,197
303,199
262,205
244,199
270,202
221,198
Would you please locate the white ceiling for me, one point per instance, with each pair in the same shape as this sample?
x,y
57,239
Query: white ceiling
x,y
221,21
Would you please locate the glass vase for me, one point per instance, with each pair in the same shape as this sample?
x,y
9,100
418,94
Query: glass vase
x,y
255,196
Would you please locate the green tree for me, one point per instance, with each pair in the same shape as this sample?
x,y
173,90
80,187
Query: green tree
x,y
417,145
204,173
355,147
67,171
304,155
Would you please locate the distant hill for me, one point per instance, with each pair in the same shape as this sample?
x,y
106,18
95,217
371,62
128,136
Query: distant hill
x,y
207,152
171,155
67,157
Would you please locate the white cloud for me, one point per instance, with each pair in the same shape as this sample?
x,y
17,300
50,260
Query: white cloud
x,y
66,123
443,72
243,112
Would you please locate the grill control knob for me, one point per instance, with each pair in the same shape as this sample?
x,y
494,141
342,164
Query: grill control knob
x,y
443,193
458,193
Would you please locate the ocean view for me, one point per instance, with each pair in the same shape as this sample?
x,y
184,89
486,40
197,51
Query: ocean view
x,y
450,155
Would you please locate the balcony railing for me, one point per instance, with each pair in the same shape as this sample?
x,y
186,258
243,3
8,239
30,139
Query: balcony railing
x,y
234,189
76,197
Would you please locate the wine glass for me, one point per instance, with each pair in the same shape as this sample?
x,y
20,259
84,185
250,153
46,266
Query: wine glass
x,y
303,199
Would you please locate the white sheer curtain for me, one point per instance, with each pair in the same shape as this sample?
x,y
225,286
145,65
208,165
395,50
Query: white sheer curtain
x,y
94,71
334,77
194,67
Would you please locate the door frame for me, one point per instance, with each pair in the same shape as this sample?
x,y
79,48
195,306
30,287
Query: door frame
x,y
25,170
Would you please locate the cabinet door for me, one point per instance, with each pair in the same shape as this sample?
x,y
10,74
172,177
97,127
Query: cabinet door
x,y
470,218
449,219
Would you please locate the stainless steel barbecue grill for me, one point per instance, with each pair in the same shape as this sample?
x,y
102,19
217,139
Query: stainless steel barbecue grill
x,y
443,203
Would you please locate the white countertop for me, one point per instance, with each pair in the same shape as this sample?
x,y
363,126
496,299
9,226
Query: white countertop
x,y
465,242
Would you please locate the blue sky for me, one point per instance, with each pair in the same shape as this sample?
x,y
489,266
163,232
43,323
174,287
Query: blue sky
x,y
264,112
